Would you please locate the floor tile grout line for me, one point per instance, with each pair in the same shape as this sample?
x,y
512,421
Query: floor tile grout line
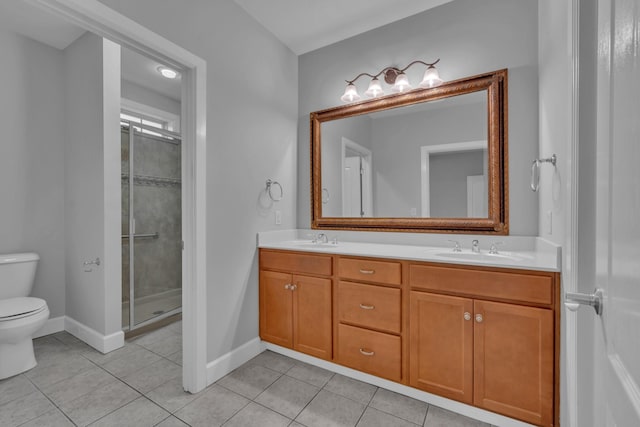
x,y
52,402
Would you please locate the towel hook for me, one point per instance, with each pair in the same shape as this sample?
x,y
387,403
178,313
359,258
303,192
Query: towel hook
x,y
269,189
535,171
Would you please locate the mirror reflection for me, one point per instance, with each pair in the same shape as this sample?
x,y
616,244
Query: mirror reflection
x,y
427,160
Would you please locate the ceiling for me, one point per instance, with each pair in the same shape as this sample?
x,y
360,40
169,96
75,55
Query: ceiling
x,y
302,25
37,24
143,71
306,25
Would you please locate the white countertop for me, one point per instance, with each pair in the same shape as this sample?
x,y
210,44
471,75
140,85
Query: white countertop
x,y
528,253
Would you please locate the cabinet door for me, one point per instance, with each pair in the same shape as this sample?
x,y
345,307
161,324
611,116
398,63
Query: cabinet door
x,y
513,364
276,320
441,345
312,316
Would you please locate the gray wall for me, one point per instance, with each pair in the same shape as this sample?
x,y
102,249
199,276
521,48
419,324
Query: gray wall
x,y
448,182
397,178
145,96
32,160
470,37
251,136
92,182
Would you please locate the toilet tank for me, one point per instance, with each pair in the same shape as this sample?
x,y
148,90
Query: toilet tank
x,y
17,272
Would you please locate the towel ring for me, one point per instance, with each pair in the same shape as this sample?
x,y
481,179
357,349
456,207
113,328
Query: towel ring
x,y
325,196
269,189
535,171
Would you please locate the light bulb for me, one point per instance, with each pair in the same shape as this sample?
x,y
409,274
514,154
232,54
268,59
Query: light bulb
x,y
401,84
374,89
168,72
431,78
350,94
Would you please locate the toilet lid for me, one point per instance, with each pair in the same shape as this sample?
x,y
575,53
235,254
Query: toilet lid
x,y
14,308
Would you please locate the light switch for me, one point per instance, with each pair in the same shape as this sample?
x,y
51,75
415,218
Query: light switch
x,y
278,215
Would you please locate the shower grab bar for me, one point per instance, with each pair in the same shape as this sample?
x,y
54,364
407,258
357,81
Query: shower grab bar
x,y
150,235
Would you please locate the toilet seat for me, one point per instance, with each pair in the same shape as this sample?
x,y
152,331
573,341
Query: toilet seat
x,y
17,308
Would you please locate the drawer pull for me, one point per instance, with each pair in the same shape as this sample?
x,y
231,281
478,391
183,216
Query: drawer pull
x,y
367,271
467,315
366,353
367,307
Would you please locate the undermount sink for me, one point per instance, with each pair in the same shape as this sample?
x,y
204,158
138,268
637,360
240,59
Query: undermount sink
x,y
480,257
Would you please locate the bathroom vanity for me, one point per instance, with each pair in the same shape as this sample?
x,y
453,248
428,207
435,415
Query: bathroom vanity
x,y
482,330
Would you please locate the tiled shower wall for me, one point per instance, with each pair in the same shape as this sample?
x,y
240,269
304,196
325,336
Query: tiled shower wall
x,y
157,208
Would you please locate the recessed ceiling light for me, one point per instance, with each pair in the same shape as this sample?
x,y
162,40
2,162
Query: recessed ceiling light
x,y
168,72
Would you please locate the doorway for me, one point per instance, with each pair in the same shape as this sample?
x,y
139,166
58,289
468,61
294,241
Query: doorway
x,y
94,16
356,180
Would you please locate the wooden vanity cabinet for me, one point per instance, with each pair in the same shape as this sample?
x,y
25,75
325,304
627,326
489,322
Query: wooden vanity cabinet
x,y
295,309
495,355
369,316
487,337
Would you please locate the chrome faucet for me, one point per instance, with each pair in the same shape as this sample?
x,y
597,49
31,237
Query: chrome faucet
x,y
456,246
494,248
475,248
322,238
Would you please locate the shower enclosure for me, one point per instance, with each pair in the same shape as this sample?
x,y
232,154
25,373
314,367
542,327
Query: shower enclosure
x,y
151,224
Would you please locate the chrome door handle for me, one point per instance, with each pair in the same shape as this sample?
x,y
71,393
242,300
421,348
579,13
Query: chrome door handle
x,y
573,300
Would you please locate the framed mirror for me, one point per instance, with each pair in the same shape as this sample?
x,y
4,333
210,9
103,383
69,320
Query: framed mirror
x,y
428,160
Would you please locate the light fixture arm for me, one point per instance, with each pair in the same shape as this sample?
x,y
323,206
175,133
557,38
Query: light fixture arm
x,y
390,73
360,75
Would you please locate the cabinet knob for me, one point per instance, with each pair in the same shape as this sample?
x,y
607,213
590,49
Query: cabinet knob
x,y
367,271
367,307
366,352
287,286
479,318
293,287
467,315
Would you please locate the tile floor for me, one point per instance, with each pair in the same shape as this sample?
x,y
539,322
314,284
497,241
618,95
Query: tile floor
x,y
140,385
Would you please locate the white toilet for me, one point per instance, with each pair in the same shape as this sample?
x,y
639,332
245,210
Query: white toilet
x,y
20,315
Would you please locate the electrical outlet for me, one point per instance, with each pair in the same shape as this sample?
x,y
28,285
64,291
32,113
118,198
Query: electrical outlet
x,y
549,222
278,215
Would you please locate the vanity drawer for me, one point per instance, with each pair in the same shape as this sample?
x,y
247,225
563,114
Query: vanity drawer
x,y
369,306
372,352
296,262
537,289
388,272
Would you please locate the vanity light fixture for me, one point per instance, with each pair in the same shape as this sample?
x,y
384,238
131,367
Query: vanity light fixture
x,y
393,76
167,72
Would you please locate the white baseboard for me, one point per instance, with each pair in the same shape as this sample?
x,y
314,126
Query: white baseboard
x,y
450,405
235,358
51,327
102,343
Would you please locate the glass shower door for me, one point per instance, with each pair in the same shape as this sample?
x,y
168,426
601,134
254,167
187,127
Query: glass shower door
x,y
154,222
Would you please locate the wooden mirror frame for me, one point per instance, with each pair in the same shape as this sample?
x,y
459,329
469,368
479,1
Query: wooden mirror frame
x,y
497,222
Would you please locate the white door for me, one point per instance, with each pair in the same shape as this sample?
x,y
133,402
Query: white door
x,y
351,188
476,196
617,332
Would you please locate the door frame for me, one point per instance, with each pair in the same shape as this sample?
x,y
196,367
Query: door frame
x,y
103,21
426,151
